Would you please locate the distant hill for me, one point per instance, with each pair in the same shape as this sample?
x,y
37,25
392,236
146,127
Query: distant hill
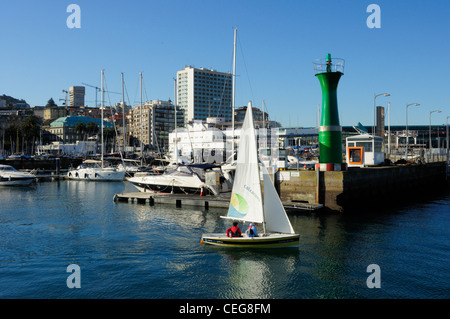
x,y
11,101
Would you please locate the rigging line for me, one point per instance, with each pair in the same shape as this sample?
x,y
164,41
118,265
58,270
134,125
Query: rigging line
x,y
145,90
126,93
219,109
116,141
246,70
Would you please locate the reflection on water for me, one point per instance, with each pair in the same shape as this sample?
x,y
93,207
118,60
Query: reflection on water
x,y
129,250
252,274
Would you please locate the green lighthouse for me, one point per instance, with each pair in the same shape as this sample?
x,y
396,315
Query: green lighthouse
x,y
329,71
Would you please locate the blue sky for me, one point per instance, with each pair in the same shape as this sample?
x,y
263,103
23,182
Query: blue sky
x,y
277,42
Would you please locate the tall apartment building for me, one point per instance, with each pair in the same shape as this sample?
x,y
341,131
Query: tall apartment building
x,y
76,95
158,120
204,93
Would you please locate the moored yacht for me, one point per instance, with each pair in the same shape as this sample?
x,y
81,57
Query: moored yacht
x,y
90,170
9,176
185,179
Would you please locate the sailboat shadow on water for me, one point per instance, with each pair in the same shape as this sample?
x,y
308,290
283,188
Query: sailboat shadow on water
x,y
247,203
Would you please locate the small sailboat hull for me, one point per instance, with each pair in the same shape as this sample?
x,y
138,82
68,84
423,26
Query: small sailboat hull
x,y
268,241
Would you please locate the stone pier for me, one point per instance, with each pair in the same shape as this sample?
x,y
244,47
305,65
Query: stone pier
x,y
358,187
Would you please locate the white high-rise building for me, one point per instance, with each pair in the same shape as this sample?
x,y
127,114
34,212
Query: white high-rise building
x,y
204,93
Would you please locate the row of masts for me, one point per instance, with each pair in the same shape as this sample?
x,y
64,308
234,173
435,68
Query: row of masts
x,y
175,106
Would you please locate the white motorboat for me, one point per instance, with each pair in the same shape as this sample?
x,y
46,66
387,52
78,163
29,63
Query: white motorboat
x,y
185,179
9,176
90,170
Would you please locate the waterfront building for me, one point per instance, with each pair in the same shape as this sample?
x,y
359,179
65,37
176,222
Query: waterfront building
x,y
76,95
199,142
204,93
303,137
63,129
154,124
78,148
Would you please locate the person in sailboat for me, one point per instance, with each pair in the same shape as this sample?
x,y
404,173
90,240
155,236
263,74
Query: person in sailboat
x,y
234,231
251,231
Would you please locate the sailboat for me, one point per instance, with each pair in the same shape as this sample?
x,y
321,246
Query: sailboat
x,y
91,170
247,203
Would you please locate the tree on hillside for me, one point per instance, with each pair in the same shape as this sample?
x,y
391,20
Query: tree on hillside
x,y
11,101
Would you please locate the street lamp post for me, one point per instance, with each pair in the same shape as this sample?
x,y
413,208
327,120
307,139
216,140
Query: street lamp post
x,y
375,110
407,140
389,129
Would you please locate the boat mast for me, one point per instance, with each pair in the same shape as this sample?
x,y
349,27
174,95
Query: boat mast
x,y
140,111
102,121
123,116
175,110
233,91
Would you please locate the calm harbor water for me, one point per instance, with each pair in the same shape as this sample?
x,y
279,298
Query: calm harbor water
x,y
129,250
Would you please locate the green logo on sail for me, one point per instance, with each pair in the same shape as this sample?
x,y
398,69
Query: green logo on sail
x,y
238,206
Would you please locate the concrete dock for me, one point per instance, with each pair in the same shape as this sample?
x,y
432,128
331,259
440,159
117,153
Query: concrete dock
x,y
180,200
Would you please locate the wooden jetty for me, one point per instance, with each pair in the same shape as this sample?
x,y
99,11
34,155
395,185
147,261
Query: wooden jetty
x,y
180,200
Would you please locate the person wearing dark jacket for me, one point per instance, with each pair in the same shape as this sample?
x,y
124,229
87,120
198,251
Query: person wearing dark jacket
x,y
234,231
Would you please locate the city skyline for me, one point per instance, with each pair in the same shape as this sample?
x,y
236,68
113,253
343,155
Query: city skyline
x,y
277,42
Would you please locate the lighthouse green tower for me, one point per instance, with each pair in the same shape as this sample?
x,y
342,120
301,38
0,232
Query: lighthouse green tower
x,y
329,72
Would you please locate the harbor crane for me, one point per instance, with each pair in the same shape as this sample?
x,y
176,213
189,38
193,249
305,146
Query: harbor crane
x,y
98,89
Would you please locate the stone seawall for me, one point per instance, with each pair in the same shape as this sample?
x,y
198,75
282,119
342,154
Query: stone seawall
x,y
348,190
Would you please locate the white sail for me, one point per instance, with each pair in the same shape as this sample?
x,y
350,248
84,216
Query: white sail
x,y
274,214
246,198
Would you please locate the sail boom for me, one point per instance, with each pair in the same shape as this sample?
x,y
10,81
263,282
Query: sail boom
x,y
242,220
